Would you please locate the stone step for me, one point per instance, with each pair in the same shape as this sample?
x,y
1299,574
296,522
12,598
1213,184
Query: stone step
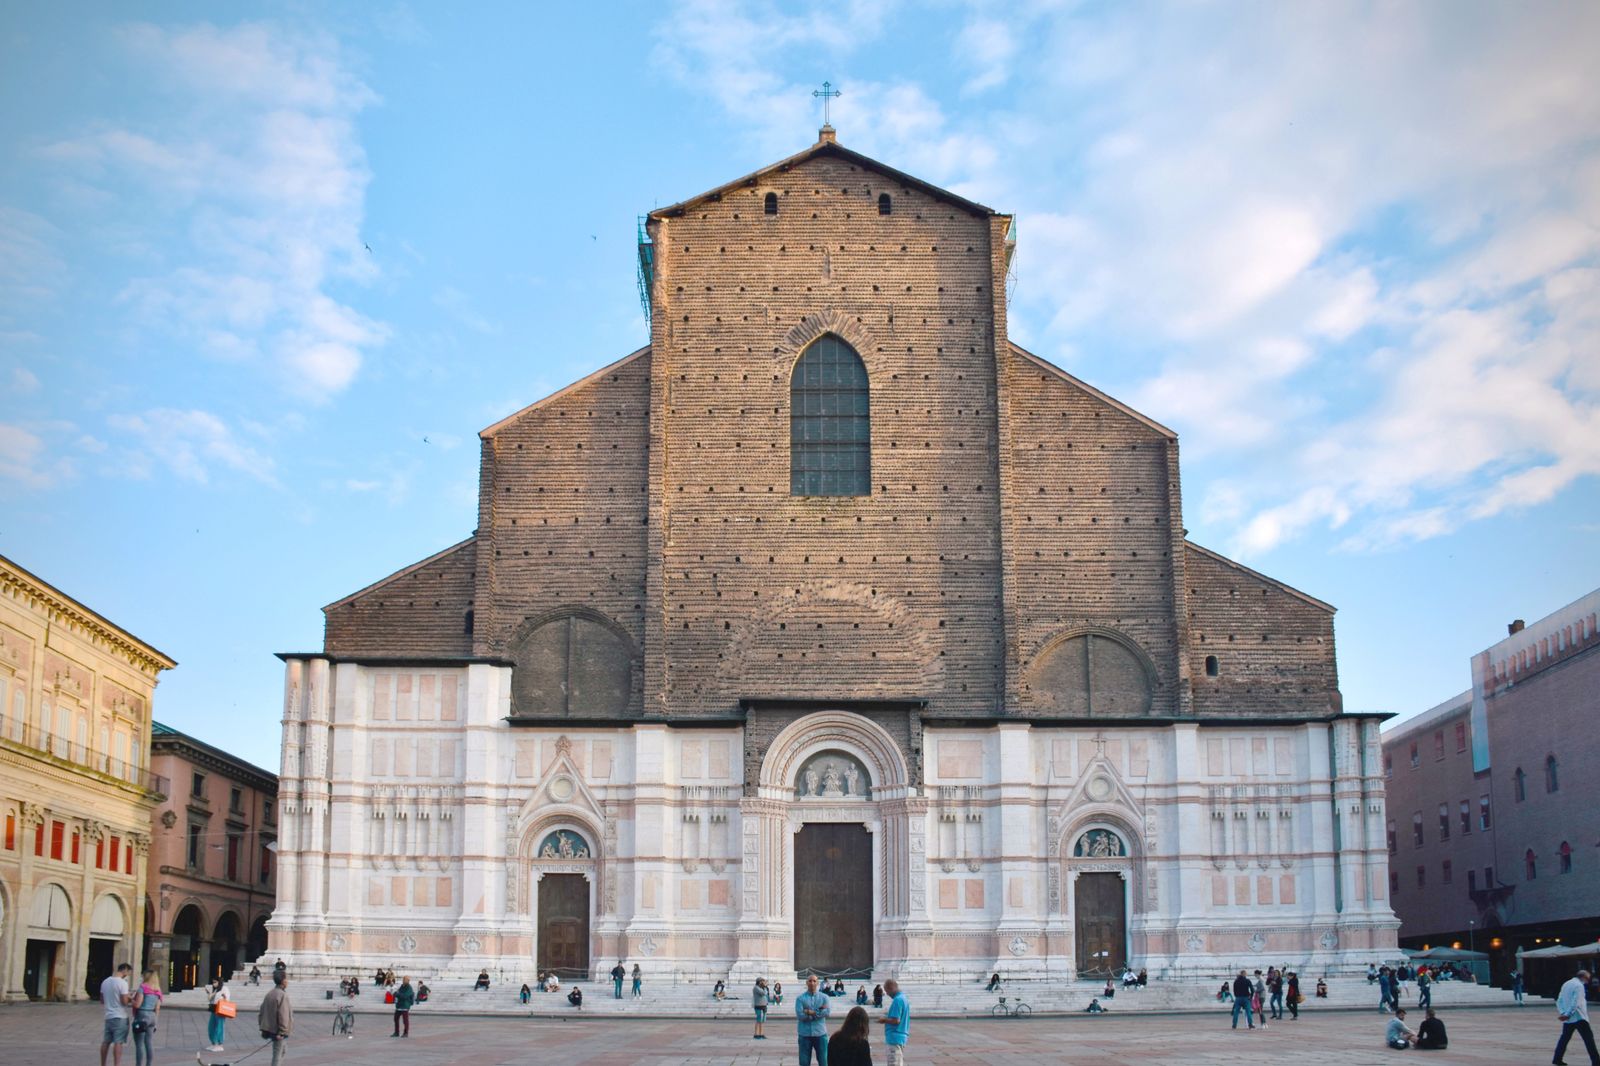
x,y
933,1000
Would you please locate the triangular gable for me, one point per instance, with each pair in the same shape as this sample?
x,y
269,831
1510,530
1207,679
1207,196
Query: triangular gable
x,y
580,383
413,568
816,151
1258,575
1045,364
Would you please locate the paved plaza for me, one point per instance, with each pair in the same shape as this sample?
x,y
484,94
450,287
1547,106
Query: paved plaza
x,y
54,1035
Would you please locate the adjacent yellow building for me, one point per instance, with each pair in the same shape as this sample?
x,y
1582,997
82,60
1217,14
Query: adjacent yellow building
x,y
76,791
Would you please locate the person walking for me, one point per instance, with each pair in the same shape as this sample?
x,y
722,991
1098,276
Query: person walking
x,y
1294,997
404,997
852,1044
1241,1001
1573,1008
896,1023
276,1017
759,1000
638,982
1424,990
1258,999
217,1023
116,998
1516,986
1383,990
811,1015
146,1006
1275,990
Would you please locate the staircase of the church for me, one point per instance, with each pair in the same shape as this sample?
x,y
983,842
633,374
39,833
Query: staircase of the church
x,y
663,998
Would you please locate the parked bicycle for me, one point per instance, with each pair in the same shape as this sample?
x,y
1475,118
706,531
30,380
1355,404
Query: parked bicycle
x,y
344,1022
1011,1008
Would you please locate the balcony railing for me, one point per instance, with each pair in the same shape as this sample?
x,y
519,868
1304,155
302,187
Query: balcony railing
x,y
61,749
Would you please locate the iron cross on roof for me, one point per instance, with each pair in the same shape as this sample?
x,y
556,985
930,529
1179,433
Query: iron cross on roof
x,y
827,92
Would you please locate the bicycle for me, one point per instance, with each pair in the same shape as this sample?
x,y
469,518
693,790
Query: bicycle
x,y
344,1022
1017,1009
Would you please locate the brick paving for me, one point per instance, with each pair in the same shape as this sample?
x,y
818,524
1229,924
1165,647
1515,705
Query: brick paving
x,y
38,1035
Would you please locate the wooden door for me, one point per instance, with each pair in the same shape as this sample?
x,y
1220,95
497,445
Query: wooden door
x,y
833,899
1102,924
564,924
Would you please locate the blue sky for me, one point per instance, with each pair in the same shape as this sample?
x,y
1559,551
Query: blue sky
x,y
266,270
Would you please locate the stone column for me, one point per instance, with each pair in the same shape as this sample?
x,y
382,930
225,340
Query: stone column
x,y
31,816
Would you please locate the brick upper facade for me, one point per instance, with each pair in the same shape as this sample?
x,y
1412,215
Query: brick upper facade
x,y
1021,552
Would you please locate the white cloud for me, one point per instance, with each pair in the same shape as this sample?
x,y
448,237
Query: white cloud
x,y
23,381
1350,255
259,161
23,459
193,445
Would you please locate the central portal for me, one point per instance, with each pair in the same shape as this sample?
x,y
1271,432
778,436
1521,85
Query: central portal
x,y
564,924
833,899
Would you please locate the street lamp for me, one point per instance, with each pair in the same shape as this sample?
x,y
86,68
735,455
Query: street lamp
x,y
1470,924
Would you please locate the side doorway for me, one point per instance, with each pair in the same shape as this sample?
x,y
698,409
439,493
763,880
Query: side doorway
x,y
564,925
1101,911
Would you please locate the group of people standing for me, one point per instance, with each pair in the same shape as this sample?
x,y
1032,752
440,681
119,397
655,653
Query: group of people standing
x,y
1263,997
619,974
851,1045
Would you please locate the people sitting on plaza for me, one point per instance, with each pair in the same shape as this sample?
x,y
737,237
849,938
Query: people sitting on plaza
x,y
777,993
719,990
482,983
1431,1035
877,994
1094,1007
255,975
838,986
575,997
1372,972
526,993
422,991
552,983
1110,989
1144,977
1322,989
994,982
1398,1035
1130,979
861,996
1225,993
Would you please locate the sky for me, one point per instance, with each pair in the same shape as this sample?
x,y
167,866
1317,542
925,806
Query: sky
x,y
265,271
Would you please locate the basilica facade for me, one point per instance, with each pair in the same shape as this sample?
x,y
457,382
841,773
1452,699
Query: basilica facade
x,y
829,631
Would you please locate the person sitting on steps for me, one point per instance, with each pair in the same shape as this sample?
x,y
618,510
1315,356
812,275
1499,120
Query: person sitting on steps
x,y
575,997
994,982
482,984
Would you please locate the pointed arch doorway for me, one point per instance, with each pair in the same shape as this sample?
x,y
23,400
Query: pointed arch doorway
x,y
563,888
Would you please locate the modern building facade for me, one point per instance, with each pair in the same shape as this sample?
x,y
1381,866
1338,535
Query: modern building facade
x,y
76,790
214,869
1494,837
831,630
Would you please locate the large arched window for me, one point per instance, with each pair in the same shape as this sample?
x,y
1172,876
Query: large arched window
x,y
830,440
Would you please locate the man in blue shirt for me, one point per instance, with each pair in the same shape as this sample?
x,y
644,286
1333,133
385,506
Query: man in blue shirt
x,y
896,1023
811,1012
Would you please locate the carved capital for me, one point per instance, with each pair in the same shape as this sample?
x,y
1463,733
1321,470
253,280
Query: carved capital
x,y
32,814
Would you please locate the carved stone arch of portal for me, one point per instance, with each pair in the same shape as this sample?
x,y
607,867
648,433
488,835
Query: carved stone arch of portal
x,y
845,731
1130,866
520,896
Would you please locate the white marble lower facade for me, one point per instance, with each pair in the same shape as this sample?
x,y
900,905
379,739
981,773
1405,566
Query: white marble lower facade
x,y
418,825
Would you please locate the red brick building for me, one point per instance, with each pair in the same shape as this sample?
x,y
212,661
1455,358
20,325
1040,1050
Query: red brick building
x,y
829,630
1494,832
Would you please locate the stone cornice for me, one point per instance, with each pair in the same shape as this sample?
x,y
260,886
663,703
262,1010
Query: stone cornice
x,y
23,586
